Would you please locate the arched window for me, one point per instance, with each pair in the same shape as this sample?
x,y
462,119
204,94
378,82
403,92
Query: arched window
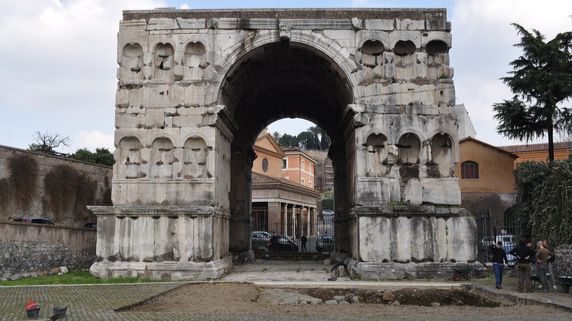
x,y
469,170
265,165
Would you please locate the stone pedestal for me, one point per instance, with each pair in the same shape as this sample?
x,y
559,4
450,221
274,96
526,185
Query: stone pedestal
x,y
426,241
161,242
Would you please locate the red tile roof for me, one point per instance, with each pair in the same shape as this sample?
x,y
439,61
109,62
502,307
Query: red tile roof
x,y
536,147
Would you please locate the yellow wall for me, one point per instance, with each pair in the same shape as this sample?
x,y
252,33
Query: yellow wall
x,y
274,164
265,149
266,144
495,169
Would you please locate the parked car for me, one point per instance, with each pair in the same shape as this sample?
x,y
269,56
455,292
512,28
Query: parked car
x,y
508,243
327,212
90,225
259,239
33,220
325,243
281,243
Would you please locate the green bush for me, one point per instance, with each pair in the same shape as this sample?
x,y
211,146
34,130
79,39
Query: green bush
x,y
544,196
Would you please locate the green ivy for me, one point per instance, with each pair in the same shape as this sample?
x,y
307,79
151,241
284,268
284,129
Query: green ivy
x,y
544,196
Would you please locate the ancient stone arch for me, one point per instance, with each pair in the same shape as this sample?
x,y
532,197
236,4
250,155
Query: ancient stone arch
x,y
214,79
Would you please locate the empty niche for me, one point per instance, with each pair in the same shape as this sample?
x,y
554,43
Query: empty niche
x,y
404,60
404,48
195,158
376,146
132,61
371,53
435,47
163,61
437,59
194,54
442,154
130,157
162,158
409,148
194,61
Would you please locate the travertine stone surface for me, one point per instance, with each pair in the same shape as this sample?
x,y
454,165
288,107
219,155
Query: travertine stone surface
x,y
195,87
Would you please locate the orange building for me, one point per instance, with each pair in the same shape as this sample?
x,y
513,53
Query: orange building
x,y
298,167
269,156
280,205
539,152
486,179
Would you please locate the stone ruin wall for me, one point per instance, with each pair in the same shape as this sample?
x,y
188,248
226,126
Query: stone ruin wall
x,y
173,136
35,184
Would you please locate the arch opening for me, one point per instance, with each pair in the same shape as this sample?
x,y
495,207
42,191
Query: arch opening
x,y
284,80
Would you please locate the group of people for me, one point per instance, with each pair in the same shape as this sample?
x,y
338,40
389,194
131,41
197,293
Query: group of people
x,y
528,260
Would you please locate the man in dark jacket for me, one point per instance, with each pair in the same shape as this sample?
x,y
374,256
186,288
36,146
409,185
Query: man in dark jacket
x,y
499,260
523,255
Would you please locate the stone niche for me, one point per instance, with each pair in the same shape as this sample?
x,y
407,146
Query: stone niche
x,y
371,53
194,61
129,159
409,149
162,158
378,159
195,156
405,58
131,62
438,60
442,157
164,62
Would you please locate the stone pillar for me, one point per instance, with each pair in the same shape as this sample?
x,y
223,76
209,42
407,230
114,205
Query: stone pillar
x,y
284,230
307,215
241,200
274,217
170,216
312,221
294,221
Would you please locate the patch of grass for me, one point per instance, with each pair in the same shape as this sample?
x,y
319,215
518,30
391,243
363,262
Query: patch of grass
x,y
73,278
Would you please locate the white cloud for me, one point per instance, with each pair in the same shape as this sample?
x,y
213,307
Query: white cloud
x,y
483,47
92,140
58,65
184,6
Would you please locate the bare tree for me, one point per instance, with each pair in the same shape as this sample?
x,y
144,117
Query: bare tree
x,y
47,143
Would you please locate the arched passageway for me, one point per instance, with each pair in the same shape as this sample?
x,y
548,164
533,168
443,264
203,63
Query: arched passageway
x,y
196,87
278,80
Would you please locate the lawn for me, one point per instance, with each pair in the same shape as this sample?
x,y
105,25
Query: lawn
x,y
73,278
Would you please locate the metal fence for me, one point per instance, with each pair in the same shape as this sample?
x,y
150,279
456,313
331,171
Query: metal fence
x,y
490,232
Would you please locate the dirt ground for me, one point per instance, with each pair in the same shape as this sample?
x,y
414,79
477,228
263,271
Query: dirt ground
x,y
241,299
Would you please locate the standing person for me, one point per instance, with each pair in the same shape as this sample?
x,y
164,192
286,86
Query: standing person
x,y
304,239
523,254
532,259
499,260
550,262
542,257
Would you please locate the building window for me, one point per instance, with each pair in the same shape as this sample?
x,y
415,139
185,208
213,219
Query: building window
x,y
469,170
265,165
284,163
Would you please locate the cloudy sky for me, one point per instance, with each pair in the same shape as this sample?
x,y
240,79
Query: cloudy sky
x,y
58,59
